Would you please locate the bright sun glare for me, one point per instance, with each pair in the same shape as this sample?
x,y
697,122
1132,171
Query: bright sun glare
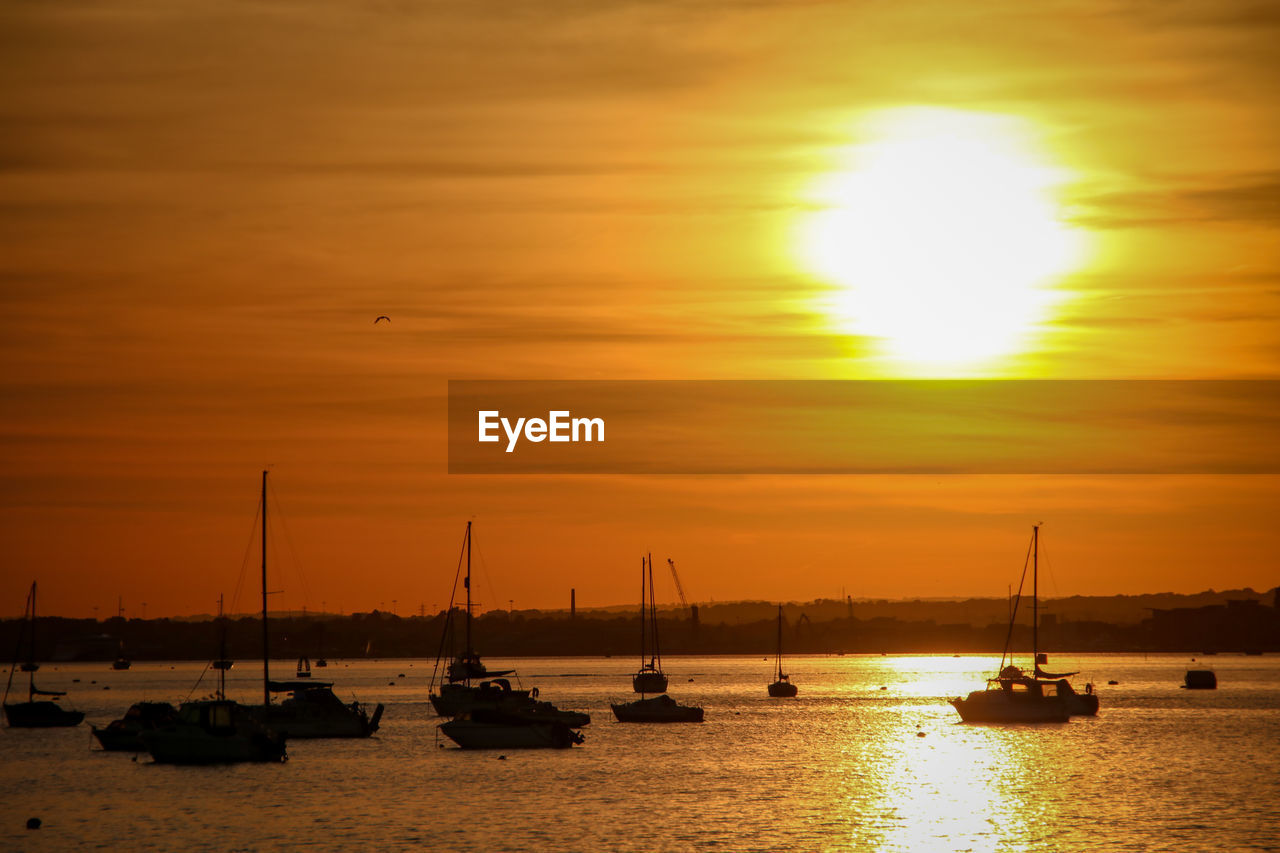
x,y
943,236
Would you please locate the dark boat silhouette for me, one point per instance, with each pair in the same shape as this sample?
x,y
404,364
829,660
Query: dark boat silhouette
x,y
34,713
468,686
781,686
1012,696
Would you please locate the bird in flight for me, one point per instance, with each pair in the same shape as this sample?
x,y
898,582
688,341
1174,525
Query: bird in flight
x,y
381,317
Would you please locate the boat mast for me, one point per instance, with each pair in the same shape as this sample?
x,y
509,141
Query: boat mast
x,y
222,652
644,615
778,659
31,652
1035,598
655,660
467,583
266,678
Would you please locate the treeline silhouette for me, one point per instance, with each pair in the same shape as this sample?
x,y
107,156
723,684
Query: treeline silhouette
x,y
1228,627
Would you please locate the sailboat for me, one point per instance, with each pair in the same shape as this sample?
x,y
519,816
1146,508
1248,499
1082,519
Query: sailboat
x,y
121,662
781,686
312,710
490,713
1012,696
34,713
649,678
218,730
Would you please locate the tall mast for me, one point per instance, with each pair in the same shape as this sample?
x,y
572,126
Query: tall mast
x,y
266,677
644,614
31,657
656,658
467,584
1035,598
779,658
222,652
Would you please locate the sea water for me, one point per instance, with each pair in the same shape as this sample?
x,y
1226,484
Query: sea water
x,y
869,756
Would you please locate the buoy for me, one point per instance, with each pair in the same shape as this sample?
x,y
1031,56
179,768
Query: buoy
x,y
33,823
401,675
391,684
883,687
691,681
919,734
502,758
106,687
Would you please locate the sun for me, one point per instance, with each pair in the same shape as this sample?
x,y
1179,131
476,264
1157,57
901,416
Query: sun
x,y
942,237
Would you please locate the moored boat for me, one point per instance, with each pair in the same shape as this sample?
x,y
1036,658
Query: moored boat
x,y
312,710
656,709
216,731
781,688
35,713
1012,696
649,678
468,686
1200,679
488,730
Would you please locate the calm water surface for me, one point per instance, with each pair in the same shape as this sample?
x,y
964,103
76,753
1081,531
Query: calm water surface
x,y
842,767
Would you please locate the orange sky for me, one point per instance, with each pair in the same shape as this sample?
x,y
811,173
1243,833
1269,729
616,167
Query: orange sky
x,y
203,206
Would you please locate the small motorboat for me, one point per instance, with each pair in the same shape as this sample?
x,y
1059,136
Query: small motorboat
x,y
1200,679
658,709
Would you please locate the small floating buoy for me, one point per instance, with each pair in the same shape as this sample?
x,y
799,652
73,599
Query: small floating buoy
x,y
106,687
919,734
737,713
33,823
391,684
502,758
691,681
401,675
883,687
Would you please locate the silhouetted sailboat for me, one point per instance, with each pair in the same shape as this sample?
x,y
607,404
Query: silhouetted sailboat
x,y
781,686
312,710
34,713
469,690
1012,696
218,730
650,678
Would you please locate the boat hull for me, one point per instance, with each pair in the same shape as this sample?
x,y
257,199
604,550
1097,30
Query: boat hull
x,y
183,747
40,715
660,709
455,700
1200,679
649,682
1000,706
474,734
783,690
214,732
313,711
